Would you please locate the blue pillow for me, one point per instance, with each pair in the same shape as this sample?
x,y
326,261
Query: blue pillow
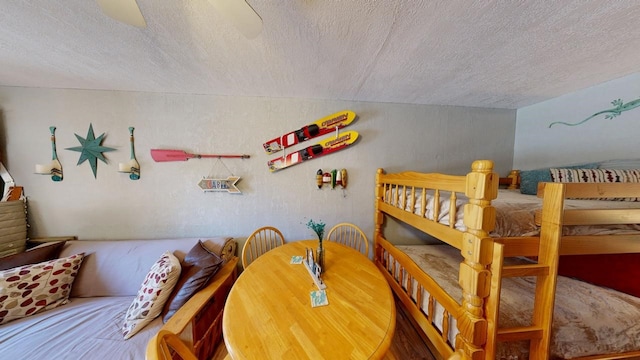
x,y
529,179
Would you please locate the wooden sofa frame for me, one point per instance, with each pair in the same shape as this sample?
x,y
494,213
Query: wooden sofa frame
x,y
198,323
482,269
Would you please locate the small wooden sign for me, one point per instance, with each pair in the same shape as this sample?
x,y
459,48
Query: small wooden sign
x,y
228,184
314,270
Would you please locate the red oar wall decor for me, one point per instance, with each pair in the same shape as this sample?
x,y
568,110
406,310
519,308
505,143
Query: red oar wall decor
x,y
161,155
207,184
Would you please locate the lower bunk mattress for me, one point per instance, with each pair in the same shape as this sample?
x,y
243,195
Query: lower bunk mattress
x,y
588,319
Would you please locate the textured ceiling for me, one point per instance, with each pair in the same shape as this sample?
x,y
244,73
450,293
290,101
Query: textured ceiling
x,y
501,54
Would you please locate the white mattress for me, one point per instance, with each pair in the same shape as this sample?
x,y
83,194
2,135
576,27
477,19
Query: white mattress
x,y
86,328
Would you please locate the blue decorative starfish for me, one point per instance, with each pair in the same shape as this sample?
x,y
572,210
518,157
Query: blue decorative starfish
x,y
91,149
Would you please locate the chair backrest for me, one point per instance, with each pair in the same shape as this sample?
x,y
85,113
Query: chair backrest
x,y
166,345
350,235
259,242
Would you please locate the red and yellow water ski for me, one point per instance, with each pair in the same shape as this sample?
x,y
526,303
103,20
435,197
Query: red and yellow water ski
x,y
324,147
317,128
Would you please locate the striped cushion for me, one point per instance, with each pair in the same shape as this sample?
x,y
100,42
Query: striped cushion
x,y
597,176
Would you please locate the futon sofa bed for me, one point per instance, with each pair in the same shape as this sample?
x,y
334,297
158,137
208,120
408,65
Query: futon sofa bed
x,y
108,276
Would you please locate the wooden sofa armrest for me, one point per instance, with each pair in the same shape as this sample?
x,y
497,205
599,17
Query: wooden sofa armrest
x,y
199,321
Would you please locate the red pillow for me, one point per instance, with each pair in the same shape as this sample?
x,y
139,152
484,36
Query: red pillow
x,y
616,271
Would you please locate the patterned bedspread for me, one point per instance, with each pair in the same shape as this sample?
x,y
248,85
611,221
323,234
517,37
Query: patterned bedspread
x,y
588,319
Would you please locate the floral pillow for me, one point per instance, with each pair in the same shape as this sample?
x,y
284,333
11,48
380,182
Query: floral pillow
x,y
153,294
30,289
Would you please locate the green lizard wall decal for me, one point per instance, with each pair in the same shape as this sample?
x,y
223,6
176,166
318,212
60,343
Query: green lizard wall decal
x,y
619,108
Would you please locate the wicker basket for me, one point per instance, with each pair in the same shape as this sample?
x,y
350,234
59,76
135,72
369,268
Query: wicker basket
x,y
13,227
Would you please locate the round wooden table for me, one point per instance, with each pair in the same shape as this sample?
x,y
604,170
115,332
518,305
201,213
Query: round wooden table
x,y
268,313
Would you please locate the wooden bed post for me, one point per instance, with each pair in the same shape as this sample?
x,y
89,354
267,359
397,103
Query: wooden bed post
x,y
477,250
514,175
379,216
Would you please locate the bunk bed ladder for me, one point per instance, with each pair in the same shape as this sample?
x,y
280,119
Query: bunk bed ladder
x,y
545,271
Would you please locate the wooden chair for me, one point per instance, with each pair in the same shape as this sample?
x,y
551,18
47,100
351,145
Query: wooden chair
x,y
259,242
350,235
168,346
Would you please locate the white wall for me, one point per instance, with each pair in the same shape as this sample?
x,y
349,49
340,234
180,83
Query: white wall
x,y
537,145
166,202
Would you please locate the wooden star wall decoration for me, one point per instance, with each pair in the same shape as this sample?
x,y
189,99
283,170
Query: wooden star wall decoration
x,y
90,149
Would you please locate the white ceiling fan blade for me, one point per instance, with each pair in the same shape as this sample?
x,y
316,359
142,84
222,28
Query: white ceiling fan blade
x,y
126,11
241,15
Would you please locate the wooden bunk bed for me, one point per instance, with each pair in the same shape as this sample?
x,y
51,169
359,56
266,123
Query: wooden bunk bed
x,y
469,324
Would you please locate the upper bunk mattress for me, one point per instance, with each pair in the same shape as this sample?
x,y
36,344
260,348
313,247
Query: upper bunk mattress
x,y
515,212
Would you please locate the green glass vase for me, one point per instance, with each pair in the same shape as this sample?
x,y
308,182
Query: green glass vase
x,y
320,257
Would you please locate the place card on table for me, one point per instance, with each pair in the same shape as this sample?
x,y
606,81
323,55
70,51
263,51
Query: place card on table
x,y
319,298
296,259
